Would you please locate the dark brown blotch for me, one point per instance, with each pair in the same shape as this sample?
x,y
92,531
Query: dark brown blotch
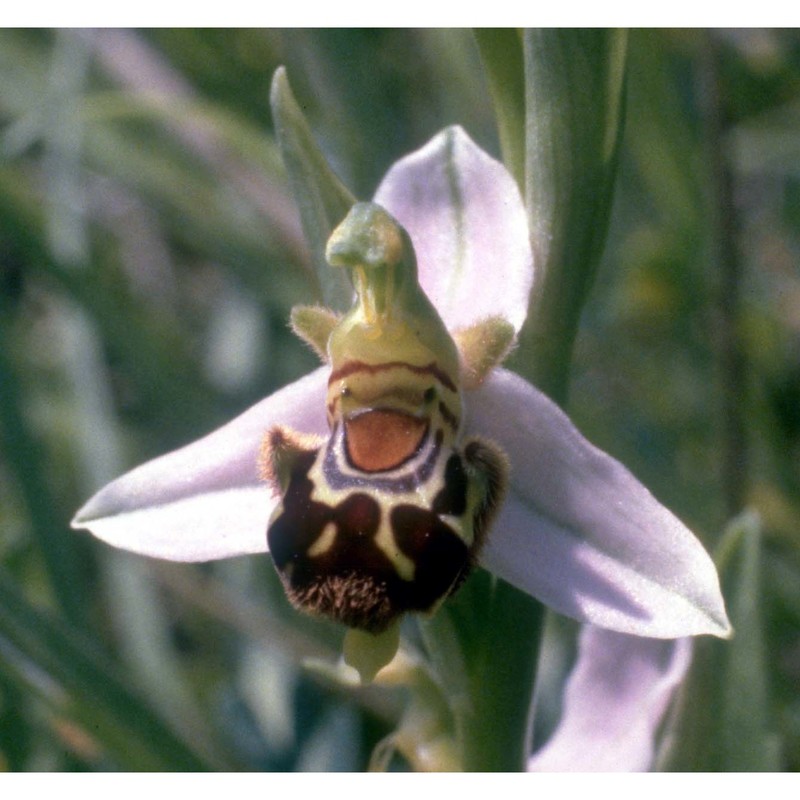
x,y
440,556
352,581
452,497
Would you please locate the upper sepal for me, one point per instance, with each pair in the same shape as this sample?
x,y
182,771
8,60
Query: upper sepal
x,y
465,215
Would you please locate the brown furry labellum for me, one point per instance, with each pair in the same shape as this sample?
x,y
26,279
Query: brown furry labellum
x,y
363,546
386,515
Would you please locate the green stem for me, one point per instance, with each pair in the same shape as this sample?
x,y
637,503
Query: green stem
x,y
497,729
559,98
573,111
484,646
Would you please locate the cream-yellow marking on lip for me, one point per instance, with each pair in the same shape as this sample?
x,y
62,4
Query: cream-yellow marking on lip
x,y
325,540
385,540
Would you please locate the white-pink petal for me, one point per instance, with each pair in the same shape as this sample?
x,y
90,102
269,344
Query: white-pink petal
x,y
465,216
615,701
206,500
580,533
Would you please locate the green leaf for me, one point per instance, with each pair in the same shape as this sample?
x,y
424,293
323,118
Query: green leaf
x,y
501,53
723,722
746,743
75,679
25,458
574,82
322,198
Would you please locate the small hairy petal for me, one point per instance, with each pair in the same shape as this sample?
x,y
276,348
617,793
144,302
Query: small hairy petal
x,y
465,216
206,500
615,700
580,533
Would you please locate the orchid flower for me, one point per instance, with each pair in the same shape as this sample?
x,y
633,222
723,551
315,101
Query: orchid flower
x,y
563,521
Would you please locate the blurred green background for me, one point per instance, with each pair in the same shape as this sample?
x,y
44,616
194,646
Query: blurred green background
x,y
150,252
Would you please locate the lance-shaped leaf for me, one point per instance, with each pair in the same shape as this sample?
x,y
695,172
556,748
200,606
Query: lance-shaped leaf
x,y
74,679
322,198
730,677
574,93
501,53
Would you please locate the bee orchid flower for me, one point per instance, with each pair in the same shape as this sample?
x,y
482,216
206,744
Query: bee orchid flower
x,y
411,455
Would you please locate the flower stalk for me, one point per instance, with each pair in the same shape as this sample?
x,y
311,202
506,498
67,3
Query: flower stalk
x,y
571,106
497,734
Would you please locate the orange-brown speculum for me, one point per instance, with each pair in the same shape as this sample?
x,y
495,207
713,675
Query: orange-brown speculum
x,y
382,439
